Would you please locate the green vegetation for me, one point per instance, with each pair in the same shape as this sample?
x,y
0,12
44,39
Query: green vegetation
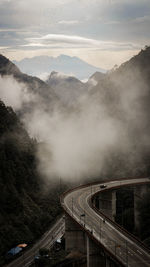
x,y
27,205
26,210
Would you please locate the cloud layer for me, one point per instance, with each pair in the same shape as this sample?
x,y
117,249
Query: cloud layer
x,y
67,41
111,25
14,94
107,126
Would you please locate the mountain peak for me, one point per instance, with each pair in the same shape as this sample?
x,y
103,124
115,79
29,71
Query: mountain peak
x,y
6,66
72,66
64,56
59,77
53,73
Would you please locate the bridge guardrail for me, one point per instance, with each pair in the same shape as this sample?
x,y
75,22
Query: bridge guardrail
x,y
124,231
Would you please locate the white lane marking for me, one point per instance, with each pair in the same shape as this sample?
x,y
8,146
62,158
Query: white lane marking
x,y
96,188
139,252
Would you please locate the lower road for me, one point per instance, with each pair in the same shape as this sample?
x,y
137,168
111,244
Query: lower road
x,y
47,240
127,250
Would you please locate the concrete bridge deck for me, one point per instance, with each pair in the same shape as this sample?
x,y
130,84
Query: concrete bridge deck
x,y
122,247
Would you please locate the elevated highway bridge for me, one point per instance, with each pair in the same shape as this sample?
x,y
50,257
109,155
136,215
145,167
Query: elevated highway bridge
x,y
95,234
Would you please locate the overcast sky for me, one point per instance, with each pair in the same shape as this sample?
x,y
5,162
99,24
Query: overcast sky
x,y
101,32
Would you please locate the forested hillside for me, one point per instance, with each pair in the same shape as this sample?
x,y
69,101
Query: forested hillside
x,y
25,211
124,94
34,85
106,135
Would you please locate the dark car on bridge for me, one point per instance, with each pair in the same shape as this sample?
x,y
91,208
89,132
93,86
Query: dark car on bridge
x,y
103,186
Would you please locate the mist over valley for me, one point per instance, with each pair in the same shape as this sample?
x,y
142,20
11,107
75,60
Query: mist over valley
x,y
74,133
85,129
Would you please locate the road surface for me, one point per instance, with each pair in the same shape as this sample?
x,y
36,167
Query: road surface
x,y
119,243
46,241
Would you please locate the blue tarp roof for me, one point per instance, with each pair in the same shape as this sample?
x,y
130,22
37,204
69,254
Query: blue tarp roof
x,y
14,251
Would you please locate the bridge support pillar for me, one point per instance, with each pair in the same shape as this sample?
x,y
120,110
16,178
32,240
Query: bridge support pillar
x,y
139,192
107,203
74,236
110,263
95,255
113,205
78,240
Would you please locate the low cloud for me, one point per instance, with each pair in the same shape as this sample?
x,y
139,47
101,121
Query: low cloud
x,y
61,38
75,144
68,22
4,47
104,129
43,76
73,41
13,93
141,19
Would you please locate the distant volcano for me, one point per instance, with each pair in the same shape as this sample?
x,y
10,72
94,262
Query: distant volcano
x,y
41,66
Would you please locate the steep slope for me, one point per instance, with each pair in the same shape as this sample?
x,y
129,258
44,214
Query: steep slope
x,y
130,82
33,84
25,212
95,78
124,94
7,67
66,64
67,88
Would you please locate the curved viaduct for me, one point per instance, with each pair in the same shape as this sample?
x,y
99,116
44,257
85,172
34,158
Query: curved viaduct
x,y
96,235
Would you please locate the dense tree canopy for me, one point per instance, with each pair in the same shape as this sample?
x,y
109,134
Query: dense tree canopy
x,y
25,211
